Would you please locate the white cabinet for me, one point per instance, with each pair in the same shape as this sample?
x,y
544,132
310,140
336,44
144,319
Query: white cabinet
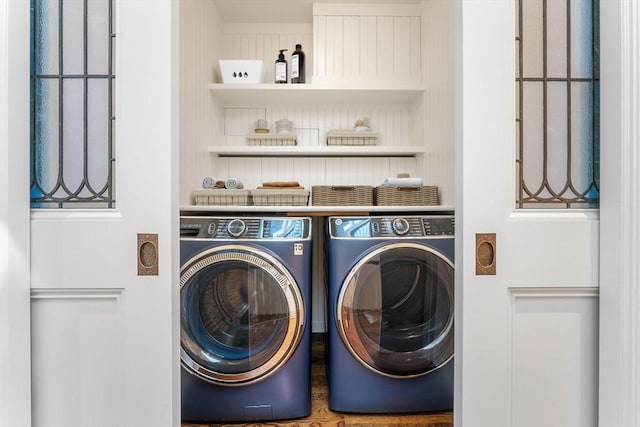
x,y
363,59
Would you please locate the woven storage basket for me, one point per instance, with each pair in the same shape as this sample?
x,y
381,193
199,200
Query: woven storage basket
x,y
272,139
351,138
342,195
222,197
280,197
426,195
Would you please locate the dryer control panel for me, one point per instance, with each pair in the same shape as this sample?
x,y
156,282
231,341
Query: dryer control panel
x,y
392,227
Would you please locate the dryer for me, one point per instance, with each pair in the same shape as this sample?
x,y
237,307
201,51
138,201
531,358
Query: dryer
x,y
391,313
245,289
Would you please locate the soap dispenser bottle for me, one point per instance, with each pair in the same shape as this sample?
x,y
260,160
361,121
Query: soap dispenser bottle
x,y
281,68
297,65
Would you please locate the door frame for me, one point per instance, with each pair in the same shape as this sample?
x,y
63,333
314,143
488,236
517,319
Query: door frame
x,y
15,301
619,213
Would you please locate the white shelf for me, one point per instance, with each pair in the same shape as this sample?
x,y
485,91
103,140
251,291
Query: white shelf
x,y
318,210
275,11
316,151
239,94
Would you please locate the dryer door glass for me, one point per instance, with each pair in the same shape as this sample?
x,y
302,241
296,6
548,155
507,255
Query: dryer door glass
x,y
241,315
395,310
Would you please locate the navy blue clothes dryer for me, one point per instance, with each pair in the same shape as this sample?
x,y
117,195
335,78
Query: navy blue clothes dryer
x,y
390,313
245,334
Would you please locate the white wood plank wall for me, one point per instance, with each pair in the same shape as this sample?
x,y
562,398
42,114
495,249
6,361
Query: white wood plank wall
x,y
263,41
390,30
200,116
374,42
439,76
312,122
310,171
393,122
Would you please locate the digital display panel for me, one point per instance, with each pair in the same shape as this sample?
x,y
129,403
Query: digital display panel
x,y
438,227
283,228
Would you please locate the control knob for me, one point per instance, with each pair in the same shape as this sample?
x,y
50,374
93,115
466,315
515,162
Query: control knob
x,y
400,226
236,228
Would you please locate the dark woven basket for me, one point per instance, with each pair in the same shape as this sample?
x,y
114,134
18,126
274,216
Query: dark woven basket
x,y
426,195
342,195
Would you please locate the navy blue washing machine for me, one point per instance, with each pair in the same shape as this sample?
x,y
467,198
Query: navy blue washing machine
x,y
391,312
245,334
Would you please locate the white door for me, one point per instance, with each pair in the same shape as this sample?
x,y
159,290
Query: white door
x,y
527,337
104,338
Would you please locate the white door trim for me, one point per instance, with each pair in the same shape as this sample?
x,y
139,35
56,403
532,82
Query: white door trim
x,y
619,228
15,349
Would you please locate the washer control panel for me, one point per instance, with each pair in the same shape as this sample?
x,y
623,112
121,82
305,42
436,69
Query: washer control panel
x,y
390,227
194,227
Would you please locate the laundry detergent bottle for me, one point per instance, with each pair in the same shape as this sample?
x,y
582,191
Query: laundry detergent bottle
x,y
297,65
280,75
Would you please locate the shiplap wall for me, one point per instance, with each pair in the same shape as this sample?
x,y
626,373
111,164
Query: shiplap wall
x,y
438,69
264,41
391,32
393,122
367,42
391,28
200,116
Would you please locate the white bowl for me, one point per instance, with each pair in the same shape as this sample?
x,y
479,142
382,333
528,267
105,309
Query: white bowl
x,y
241,71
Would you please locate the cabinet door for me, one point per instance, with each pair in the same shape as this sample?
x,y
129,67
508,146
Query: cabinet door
x,y
527,337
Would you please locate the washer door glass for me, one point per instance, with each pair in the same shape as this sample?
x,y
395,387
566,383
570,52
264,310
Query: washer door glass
x,y
395,310
241,315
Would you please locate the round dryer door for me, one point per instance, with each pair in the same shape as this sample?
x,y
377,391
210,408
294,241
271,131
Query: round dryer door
x,y
395,310
241,315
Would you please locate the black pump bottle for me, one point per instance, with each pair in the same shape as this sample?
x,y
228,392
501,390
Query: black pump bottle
x,y
280,75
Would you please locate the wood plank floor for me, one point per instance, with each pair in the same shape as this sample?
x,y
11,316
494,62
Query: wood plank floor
x,y
321,415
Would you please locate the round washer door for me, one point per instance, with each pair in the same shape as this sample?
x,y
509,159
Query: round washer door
x,y
395,310
241,315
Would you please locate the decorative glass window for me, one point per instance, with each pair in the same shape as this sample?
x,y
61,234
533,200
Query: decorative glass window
x,y
557,107
72,98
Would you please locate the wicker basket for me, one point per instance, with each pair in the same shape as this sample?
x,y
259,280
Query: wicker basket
x,y
222,197
272,139
351,138
278,197
342,195
426,195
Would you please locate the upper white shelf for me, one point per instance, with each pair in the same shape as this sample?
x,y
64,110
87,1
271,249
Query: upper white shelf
x,y
276,11
240,94
316,151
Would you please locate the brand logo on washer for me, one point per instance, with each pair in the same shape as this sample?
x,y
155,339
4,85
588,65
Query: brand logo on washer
x,y
298,249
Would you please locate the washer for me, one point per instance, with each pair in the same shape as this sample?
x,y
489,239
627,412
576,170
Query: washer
x,y
245,288
391,313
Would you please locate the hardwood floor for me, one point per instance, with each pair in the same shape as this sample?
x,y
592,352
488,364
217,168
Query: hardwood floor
x,y
321,415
